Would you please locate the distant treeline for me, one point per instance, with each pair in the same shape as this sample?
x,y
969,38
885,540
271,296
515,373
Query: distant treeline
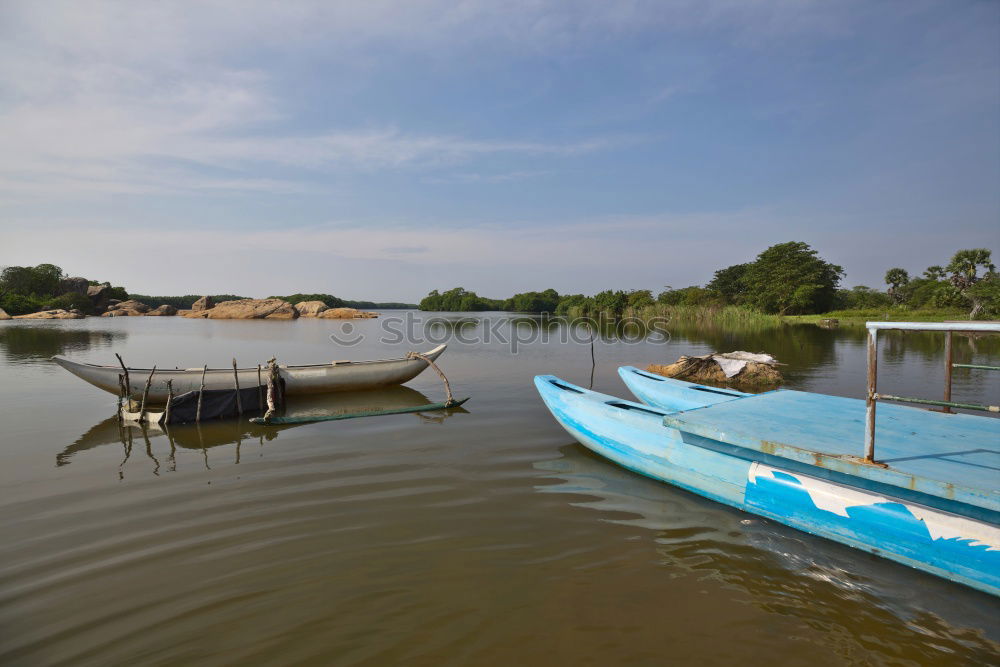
x,y
786,279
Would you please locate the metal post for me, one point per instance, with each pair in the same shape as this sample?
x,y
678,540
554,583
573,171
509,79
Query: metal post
x,y
870,399
947,370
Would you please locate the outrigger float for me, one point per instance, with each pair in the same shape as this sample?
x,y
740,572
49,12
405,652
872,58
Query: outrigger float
x,y
931,499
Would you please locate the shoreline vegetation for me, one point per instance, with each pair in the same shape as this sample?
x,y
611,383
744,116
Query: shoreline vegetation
x,y
788,282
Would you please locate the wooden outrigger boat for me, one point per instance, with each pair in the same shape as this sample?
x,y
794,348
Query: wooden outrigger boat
x,y
310,379
931,499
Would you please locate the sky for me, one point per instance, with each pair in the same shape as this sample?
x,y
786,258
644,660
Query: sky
x,y
380,149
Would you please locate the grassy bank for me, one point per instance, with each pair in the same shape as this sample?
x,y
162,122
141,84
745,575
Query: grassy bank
x,y
882,315
740,316
736,316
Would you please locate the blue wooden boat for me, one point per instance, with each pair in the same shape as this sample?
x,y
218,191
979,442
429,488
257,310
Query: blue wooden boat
x,y
931,501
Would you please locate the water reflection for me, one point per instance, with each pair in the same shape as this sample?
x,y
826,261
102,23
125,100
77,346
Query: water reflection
x,y
217,433
30,343
826,585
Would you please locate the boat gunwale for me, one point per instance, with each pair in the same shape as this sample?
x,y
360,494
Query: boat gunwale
x,y
436,351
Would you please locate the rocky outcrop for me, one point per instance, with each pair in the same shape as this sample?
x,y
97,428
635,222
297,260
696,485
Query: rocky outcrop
x,y
57,314
130,308
166,310
311,308
346,314
4,315
74,285
248,309
100,296
204,303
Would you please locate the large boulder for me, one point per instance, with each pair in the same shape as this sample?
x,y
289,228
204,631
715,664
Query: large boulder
x,y
311,308
249,309
99,295
204,303
166,310
346,314
56,314
4,315
74,285
130,308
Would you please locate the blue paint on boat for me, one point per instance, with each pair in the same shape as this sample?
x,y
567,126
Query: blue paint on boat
x,y
955,536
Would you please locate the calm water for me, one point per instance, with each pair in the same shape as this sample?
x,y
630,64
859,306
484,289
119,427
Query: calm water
x,y
484,536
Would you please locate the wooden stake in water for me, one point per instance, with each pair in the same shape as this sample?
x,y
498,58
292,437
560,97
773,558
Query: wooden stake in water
x,y
128,385
197,416
236,379
145,394
121,393
170,398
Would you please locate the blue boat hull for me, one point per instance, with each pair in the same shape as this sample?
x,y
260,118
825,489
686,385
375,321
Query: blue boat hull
x,y
950,545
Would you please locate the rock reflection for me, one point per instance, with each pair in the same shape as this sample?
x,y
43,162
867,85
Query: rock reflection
x,y
22,343
214,434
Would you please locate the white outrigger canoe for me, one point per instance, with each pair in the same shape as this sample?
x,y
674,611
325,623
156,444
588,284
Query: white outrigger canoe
x,y
310,379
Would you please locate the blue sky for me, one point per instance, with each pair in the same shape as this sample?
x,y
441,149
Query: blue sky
x,y
379,150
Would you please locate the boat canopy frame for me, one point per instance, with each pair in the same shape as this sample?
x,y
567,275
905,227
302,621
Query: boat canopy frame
x,y
949,328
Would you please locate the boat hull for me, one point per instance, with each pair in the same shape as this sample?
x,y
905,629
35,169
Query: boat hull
x,y
298,380
956,547
673,394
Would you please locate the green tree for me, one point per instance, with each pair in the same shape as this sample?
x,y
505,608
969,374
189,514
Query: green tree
x,y
640,298
790,278
611,303
533,302
935,273
729,283
897,279
985,295
42,280
965,269
458,299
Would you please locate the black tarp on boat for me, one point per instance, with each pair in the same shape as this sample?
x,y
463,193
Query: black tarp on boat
x,y
217,404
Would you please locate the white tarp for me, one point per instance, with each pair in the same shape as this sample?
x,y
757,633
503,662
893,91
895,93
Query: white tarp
x,y
732,363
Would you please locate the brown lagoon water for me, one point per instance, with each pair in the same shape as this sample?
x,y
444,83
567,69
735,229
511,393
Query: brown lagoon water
x,y
484,536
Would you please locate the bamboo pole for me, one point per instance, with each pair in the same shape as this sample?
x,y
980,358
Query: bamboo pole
x,y
197,416
145,394
236,379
